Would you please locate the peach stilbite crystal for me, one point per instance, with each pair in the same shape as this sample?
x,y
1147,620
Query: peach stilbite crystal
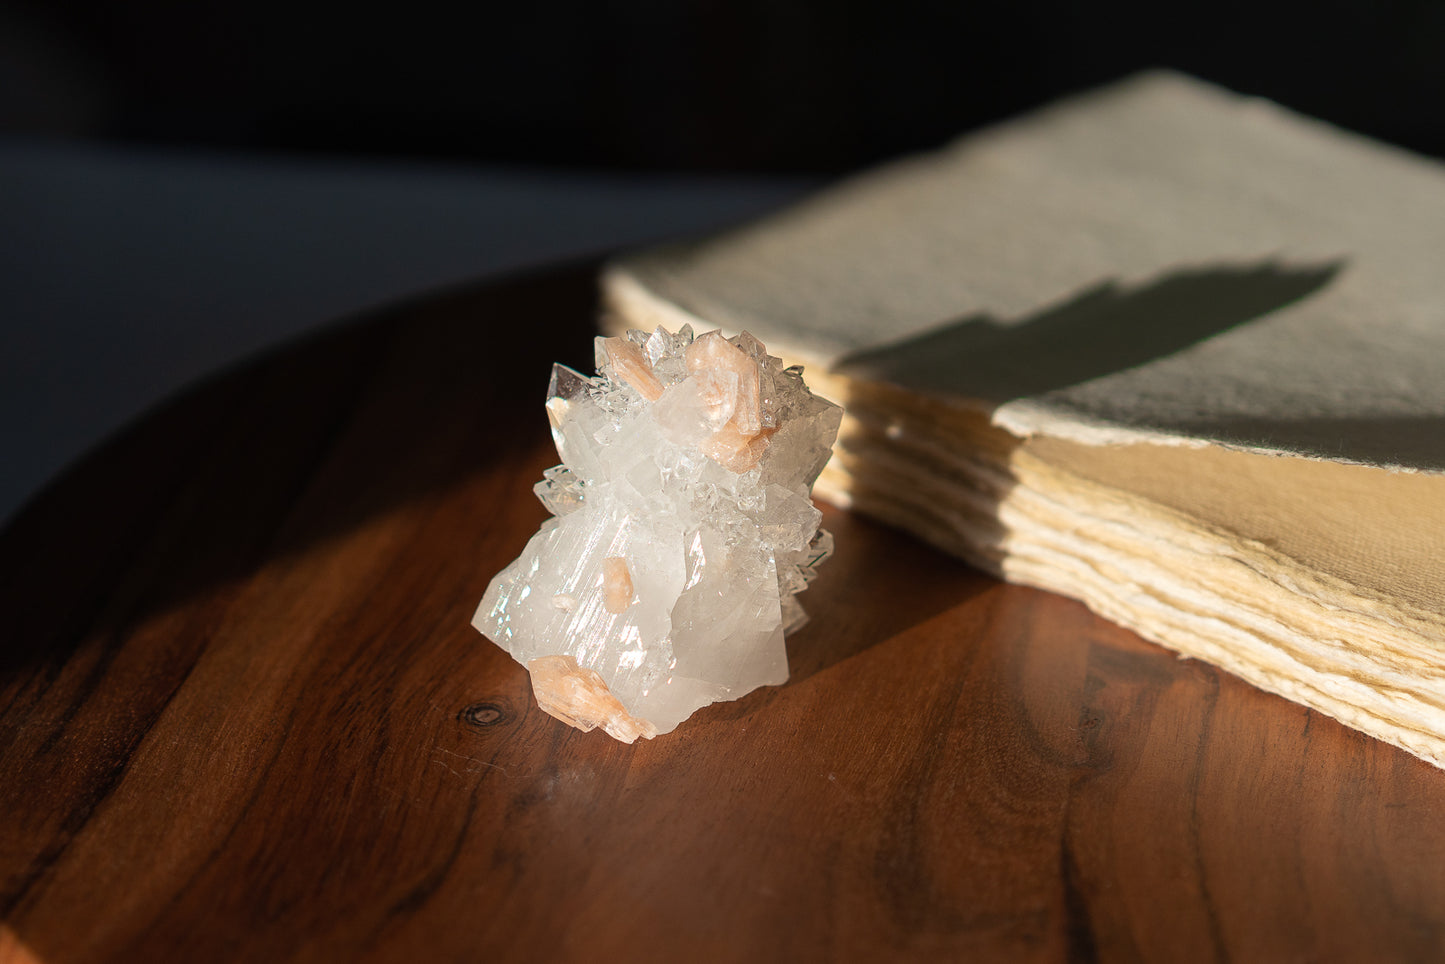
x,y
632,368
683,529
713,352
579,698
616,584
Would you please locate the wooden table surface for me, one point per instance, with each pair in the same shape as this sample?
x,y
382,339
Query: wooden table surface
x,y
243,717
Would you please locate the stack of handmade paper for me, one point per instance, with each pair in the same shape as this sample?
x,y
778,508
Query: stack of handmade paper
x,y
1174,352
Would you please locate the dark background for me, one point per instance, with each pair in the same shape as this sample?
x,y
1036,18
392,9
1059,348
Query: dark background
x,y
795,86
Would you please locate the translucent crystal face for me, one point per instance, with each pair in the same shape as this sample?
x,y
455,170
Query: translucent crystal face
x,y
683,528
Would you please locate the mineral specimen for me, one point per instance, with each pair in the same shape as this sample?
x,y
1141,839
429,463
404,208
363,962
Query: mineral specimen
x,y
682,531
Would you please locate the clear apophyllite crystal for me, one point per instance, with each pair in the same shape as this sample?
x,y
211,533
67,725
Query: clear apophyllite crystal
x,y
683,528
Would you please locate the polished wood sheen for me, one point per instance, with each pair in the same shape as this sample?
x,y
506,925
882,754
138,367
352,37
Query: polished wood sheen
x,y
243,717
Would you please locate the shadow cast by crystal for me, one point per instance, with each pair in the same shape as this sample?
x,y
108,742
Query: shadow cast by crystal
x,y
1105,329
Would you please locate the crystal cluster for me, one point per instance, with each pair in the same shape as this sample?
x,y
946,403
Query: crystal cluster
x,y
682,530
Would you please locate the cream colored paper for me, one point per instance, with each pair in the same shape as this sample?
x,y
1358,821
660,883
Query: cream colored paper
x,y
1159,261
1171,351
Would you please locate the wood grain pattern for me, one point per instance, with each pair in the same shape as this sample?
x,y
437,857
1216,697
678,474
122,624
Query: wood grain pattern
x,y
243,717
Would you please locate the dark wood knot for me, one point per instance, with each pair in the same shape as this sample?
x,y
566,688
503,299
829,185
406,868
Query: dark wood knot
x,y
484,714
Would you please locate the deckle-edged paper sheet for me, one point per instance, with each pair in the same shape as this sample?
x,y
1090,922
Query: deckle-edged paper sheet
x,y
1159,261
1174,352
